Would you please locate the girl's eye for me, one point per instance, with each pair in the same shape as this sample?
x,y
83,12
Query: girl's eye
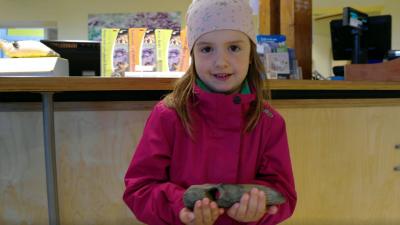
x,y
206,49
234,48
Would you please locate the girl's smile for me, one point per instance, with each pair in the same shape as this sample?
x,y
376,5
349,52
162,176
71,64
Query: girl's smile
x,y
222,76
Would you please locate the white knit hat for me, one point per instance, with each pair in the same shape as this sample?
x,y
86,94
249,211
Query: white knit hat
x,y
204,16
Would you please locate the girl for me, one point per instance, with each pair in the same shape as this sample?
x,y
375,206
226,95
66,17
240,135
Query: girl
x,y
215,127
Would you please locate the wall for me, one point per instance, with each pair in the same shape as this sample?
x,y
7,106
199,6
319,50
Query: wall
x,y
322,52
71,16
321,47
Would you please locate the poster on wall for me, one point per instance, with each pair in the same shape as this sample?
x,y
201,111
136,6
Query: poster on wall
x,y
151,20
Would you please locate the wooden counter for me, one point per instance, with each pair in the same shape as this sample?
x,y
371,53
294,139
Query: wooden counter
x,y
95,89
60,84
343,149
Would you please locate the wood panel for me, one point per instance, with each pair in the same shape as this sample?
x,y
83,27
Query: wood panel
x,y
93,151
303,36
269,17
332,103
294,19
79,106
343,163
59,84
37,84
287,25
22,180
342,151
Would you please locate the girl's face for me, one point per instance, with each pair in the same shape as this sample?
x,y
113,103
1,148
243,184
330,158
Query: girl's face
x,y
222,59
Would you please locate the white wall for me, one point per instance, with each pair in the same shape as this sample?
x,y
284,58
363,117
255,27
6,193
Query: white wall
x,y
70,16
321,47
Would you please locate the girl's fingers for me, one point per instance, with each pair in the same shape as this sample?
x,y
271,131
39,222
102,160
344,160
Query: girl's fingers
x,y
252,209
214,211
262,202
198,215
244,201
186,216
233,211
273,210
206,211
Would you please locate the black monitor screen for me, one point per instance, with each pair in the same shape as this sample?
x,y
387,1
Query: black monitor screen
x,y
83,56
375,40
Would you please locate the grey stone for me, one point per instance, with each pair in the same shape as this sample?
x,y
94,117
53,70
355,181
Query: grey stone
x,y
225,195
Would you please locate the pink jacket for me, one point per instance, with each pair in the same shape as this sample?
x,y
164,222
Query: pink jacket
x,y
167,161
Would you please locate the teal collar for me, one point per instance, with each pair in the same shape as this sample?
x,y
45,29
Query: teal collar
x,y
245,86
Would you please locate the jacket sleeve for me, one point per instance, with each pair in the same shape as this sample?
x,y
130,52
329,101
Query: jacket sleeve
x,y
149,193
275,170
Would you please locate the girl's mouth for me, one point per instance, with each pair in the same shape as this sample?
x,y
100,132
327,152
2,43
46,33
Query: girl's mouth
x,y
222,76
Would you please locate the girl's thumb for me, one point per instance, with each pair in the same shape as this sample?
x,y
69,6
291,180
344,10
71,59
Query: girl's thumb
x,y
186,216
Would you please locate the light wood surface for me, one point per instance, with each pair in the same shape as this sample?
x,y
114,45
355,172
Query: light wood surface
x,y
79,106
269,17
148,105
22,178
330,85
342,152
59,84
333,103
93,151
287,19
343,159
38,84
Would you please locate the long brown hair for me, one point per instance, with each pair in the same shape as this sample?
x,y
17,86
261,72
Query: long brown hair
x,y
182,94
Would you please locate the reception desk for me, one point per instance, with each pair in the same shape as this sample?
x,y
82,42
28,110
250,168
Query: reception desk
x,y
66,142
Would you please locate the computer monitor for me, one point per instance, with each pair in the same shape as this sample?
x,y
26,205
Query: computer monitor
x,y
83,56
375,41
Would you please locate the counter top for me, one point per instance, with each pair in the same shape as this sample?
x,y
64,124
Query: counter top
x,y
17,89
62,84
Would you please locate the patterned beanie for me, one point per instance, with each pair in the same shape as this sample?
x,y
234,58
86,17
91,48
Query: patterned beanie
x,y
204,16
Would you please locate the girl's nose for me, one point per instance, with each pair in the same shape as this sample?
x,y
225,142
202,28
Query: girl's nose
x,y
221,60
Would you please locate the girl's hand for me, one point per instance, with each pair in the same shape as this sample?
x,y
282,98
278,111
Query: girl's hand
x,y
204,213
252,207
